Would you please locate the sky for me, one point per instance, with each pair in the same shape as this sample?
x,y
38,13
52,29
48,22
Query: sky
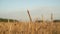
x,y
17,9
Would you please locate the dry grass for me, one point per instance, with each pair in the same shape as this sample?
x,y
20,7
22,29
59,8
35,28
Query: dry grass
x,y
29,28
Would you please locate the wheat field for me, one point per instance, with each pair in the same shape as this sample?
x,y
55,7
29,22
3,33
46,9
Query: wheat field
x,y
29,28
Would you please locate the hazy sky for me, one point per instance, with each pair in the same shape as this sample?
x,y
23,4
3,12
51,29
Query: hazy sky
x,y
17,9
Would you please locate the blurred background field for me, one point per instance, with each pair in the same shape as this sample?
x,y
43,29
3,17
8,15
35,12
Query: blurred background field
x,y
30,28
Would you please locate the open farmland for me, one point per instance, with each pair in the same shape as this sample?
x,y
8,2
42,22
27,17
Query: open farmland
x,y
29,28
10,26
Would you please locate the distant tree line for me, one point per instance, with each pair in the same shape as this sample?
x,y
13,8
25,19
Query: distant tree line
x,y
6,20
56,20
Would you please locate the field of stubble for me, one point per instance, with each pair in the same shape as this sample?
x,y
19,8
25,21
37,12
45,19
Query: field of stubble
x,y
29,28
